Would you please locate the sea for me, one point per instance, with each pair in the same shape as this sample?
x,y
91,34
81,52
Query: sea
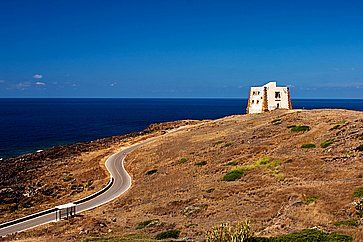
x,y
28,125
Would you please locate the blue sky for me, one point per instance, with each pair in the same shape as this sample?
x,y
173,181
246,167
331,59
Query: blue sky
x,y
182,48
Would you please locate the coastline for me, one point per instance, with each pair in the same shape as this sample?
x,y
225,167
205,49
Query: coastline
x,y
21,195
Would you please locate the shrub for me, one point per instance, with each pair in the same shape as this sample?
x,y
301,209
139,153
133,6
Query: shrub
x,y
307,235
326,143
183,160
263,161
349,222
67,177
359,207
308,146
360,148
358,192
234,175
150,172
209,190
239,232
168,234
232,163
310,199
280,176
299,128
201,163
147,223
228,144
274,164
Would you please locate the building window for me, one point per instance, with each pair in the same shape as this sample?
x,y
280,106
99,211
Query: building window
x,y
253,101
258,101
277,95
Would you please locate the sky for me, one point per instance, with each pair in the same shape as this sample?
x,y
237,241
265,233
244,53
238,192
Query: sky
x,y
180,48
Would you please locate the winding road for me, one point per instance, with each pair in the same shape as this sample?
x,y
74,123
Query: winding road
x,y
120,182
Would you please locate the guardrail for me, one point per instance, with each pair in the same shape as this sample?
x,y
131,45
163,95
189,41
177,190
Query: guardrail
x,y
23,219
35,215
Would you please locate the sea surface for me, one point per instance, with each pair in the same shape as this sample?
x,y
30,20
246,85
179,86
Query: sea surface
x,y
27,125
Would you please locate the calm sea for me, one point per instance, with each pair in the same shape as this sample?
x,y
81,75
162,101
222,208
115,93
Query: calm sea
x,y
27,125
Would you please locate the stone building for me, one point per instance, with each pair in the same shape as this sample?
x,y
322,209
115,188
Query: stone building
x,y
268,97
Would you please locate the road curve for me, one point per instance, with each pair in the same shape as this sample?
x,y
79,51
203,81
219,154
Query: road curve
x,y
121,183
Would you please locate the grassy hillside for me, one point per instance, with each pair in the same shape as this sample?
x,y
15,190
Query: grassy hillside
x,y
285,171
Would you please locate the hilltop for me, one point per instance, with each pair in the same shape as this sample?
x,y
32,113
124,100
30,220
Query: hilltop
x,y
285,171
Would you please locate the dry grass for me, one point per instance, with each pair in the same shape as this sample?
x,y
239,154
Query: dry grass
x,y
272,194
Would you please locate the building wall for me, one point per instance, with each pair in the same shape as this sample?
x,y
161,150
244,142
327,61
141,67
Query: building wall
x,y
277,97
256,100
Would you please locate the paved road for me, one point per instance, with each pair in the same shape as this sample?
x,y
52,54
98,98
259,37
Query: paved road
x,y
121,183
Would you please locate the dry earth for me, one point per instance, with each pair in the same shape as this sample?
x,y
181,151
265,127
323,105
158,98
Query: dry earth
x,y
177,180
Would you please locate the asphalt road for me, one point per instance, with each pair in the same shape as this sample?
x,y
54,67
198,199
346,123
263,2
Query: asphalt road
x,y
122,182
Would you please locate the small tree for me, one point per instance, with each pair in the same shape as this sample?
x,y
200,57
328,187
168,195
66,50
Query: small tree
x,y
237,232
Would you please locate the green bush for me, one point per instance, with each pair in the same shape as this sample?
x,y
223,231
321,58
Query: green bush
x,y
232,163
201,163
183,160
360,148
238,232
358,192
308,146
147,223
209,190
326,143
228,144
299,128
349,222
310,199
234,175
307,235
169,234
150,172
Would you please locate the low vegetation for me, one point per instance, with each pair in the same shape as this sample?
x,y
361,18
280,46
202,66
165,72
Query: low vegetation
x,y
267,162
228,144
201,163
239,232
183,160
126,238
234,174
358,192
147,223
360,148
299,128
307,235
308,146
232,163
168,234
326,143
210,190
150,172
348,222
242,232
310,199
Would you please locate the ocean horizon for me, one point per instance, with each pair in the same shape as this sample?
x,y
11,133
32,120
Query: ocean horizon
x,y
31,124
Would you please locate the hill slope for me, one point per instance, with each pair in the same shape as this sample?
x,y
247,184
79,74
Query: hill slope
x,y
179,181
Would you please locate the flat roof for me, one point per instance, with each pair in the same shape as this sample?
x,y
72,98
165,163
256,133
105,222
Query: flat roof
x,y
67,205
